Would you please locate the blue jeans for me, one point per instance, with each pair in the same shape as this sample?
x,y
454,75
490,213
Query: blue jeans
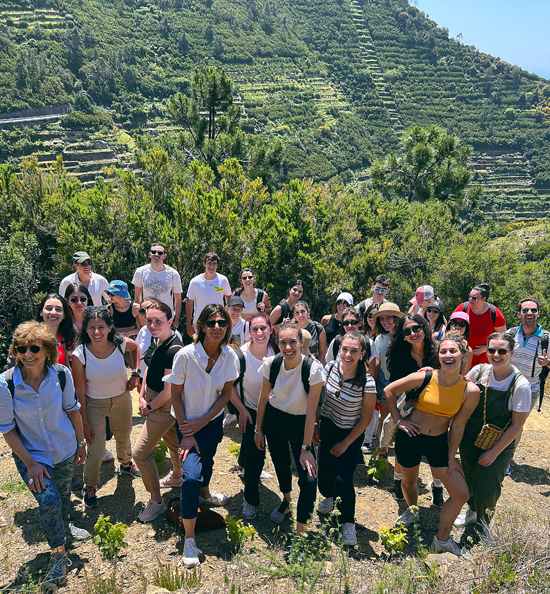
x,y
55,499
197,468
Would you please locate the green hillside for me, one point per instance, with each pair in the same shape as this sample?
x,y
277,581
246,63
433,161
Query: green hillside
x,y
336,80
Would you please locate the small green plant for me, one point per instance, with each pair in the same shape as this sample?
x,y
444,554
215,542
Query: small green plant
x,y
109,537
16,486
377,468
501,577
232,587
104,585
171,578
239,532
235,449
159,454
394,539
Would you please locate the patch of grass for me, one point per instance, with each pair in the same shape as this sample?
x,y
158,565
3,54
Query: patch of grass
x,y
104,585
15,486
171,578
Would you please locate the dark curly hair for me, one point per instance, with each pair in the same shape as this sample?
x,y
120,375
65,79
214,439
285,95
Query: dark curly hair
x,y
66,328
99,313
400,348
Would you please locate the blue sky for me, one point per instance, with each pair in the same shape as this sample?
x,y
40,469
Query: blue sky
x,y
517,32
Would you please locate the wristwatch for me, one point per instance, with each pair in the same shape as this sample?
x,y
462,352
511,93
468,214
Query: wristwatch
x,y
307,448
82,444
148,407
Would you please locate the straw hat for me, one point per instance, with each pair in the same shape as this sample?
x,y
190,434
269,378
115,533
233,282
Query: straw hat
x,y
388,309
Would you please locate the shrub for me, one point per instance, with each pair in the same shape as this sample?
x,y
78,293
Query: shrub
x,y
109,537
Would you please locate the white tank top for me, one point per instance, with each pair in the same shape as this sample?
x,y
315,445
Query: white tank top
x,y
105,378
250,306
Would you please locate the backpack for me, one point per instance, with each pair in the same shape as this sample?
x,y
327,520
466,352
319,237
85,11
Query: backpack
x,y
285,310
276,368
60,374
242,368
259,295
493,311
84,352
338,341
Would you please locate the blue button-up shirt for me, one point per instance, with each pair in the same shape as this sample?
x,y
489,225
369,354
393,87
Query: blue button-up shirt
x,y
44,427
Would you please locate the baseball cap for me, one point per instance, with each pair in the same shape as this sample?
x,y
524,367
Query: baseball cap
x,y
79,257
460,315
236,301
345,297
423,293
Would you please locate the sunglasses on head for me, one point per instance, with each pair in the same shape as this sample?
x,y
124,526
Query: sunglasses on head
x,y
98,307
157,252
459,323
143,310
77,299
412,330
529,309
342,302
34,348
347,323
212,323
87,263
432,310
379,290
247,277
501,352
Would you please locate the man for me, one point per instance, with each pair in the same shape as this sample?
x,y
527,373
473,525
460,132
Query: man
x,y
159,280
380,291
485,319
208,287
95,283
531,350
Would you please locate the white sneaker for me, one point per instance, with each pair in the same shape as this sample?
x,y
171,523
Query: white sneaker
x,y
152,510
108,456
448,546
215,499
326,506
229,420
408,517
266,476
191,553
349,537
465,518
249,511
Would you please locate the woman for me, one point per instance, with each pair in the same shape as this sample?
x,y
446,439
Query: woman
x,y
255,300
41,424
332,323
460,323
411,349
286,412
202,378
425,432
369,321
103,390
351,322
155,406
78,297
347,410
318,345
283,312
244,396
123,310
422,298
505,401
54,311
436,319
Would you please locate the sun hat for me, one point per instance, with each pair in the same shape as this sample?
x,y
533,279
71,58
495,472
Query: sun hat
x,y
345,297
388,309
460,315
79,257
423,293
119,289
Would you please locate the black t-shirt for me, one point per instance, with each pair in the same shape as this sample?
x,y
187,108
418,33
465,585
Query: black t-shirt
x,y
315,329
332,328
408,365
159,358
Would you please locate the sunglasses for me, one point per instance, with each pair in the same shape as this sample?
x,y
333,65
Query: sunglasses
x,y
87,263
369,316
529,309
34,348
247,277
501,352
350,323
342,302
143,310
432,310
413,330
473,297
98,307
212,323
157,252
460,324
383,291
339,391
77,299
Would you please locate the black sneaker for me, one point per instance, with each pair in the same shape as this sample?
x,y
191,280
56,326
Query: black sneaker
x,y
131,470
437,496
58,573
89,495
397,491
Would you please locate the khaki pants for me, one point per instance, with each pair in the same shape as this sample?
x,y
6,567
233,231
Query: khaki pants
x,y
119,411
159,424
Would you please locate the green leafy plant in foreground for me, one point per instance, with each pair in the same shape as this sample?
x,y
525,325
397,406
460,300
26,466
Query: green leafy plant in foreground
x,y
394,539
159,454
235,449
109,537
239,532
377,467
171,578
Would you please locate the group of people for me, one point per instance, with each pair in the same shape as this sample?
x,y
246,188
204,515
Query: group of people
x,y
295,386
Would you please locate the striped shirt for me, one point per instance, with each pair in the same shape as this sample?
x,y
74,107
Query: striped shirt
x,y
526,352
343,401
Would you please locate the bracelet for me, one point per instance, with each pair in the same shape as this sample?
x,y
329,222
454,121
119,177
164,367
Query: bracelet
x,y
258,432
316,424
398,422
82,444
136,375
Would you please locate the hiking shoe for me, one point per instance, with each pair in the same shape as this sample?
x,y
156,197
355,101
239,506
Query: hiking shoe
x,y
130,469
215,499
170,481
465,518
397,490
279,513
437,495
229,420
58,573
326,506
89,495
152,511
191,553
108,456
448,546
78,533
249,511
266,476
366,448
349,536
408,517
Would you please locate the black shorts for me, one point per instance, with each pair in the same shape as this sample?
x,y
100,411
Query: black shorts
x,y
409,449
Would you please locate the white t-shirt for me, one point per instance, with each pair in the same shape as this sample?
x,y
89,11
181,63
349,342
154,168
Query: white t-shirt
x,y
159,284
520,400
203,292
201,389
330,353
382,342
252,379
238,334
105,378
288,393
144,340
97,285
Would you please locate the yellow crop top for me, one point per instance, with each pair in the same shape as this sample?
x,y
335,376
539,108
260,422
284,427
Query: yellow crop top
x,y
441,400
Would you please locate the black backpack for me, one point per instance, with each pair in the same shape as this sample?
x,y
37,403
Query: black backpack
x,y
276,368
60,374
493,311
